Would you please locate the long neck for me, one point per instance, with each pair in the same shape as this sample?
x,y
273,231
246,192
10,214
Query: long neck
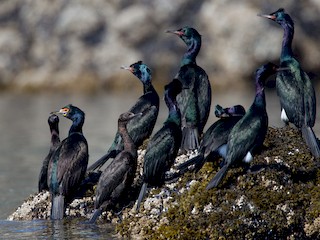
x,y
194,46
128,143
287,41
77,123
174,112
55,137
147,87
260,98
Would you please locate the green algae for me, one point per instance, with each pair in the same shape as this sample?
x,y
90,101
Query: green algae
x,y
277,199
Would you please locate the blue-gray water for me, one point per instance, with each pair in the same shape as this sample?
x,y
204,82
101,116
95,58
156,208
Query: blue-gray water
x,y
25,139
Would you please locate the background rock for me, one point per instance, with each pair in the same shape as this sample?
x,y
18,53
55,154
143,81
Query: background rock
x,y
52,44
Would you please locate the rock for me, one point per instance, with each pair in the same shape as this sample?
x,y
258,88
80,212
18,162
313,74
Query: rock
x,y
277,199
55,44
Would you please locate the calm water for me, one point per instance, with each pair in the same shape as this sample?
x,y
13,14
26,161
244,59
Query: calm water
x,y
25,140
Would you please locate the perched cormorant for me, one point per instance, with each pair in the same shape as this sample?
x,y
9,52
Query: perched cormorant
x,y
249,132
164,145
195,98
118,176
215,139
139,128
53,122
68,164
294,88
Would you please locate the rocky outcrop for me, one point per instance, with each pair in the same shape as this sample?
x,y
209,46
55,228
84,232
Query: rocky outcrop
x,y
50,44
277,199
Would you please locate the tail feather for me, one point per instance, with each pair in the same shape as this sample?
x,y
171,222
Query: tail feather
x,y
95,215
197,161
311,141
190,138
102,160
218,177
141,195
57,208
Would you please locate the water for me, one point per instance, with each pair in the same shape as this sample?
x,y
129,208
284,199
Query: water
x,y
25,139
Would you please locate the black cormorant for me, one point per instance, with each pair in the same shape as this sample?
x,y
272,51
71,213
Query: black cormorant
x,y
195,98
249,132
118,176
294,88
68,164
164,145
214,141
139,128
53,122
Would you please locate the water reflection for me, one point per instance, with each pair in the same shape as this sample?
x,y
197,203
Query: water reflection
x,y
42,229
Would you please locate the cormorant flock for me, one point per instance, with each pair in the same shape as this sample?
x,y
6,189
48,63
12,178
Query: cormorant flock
x,y
235,137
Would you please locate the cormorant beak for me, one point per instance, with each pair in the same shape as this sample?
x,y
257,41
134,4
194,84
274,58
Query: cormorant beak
x,y
62,111
272,17
179,33
127,68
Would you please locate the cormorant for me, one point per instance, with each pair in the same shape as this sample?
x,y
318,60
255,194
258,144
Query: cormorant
x,y
118,176
195,98
164,145
249,132
139,128
294,88
215,139
68,164
53,122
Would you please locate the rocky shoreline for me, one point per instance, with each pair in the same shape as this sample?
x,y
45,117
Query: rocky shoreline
x,y
277,199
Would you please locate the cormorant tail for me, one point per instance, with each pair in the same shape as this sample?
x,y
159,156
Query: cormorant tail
x,y
141,195
102,160
95,215
218,177
57,208
311,141
198,162
190,138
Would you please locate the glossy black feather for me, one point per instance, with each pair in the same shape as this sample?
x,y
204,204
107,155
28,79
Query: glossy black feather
x,y
141,127
164,145
68,164
195,98
118,176
249,132
53,122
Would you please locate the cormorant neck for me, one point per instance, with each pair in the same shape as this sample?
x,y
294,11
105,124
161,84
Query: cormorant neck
x,y
128,143
174,111
260,98
147,87
287,40
77,123
194,46
55,136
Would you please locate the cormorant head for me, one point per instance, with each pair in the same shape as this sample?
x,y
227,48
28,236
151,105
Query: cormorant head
x,y
187,34
70,111
127,116
53,121
236,110
140,70
280,17
265,71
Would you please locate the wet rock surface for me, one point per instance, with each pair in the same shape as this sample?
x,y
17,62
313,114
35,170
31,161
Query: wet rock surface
x,y
278,198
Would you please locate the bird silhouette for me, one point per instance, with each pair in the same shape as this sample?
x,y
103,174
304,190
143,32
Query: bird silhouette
x,y
53,122
68,164
294,88
141,127
249,132
195,98
164,145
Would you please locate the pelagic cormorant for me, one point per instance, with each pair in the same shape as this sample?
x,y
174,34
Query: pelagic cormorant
x,y
68,164
164,145
139,128
118,176
294,88
195,98
215,139
53,122
249,132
